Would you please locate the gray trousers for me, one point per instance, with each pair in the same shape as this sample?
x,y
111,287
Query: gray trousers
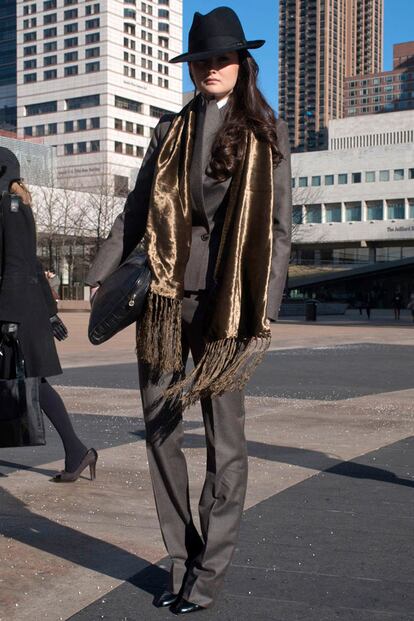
x,y
199,560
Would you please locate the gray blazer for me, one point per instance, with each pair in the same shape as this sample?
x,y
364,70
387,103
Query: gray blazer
x,y
209,200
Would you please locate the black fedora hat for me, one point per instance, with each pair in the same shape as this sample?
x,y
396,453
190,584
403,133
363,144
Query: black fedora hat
x,y
9,168
217,32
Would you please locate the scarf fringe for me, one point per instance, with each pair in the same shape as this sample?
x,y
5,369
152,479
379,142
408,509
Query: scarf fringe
x,y
226,365
159,335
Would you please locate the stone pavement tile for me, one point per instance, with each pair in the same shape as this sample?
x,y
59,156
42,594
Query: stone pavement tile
x,y
309,568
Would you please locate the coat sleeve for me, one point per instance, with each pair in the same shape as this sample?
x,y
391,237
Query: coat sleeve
x,y
129,227
46,290
282,223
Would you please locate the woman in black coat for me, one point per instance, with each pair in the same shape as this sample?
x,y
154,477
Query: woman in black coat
x,y
28,312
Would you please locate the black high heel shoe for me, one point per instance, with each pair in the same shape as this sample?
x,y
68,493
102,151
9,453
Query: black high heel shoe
x,y
89,459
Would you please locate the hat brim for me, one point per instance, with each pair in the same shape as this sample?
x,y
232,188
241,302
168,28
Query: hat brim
x,y
216,52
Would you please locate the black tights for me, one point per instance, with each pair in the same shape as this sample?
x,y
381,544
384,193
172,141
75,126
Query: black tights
x,y
54,408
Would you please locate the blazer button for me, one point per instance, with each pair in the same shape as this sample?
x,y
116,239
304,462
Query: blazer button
x,y
205,236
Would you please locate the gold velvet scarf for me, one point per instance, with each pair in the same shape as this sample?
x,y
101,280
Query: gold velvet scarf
x,y
238,333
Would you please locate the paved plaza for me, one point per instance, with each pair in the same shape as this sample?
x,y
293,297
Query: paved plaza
x,y
327,533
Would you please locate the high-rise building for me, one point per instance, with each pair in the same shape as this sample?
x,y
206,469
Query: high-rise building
x,y
383,91
8,65
93,78
320,43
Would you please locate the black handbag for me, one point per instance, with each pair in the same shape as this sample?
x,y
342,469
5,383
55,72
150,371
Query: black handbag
x,y
120,299
21,417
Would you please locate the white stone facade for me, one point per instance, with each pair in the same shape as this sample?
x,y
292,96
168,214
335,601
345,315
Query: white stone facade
x,y
113,55
358,195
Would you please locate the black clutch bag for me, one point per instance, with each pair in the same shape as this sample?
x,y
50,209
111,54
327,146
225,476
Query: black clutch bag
x,y
21,417
120,298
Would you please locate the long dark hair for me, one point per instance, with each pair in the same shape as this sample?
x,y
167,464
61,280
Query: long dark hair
x,y
247,110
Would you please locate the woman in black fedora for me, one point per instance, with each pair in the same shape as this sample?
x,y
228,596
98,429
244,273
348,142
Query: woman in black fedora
x,y
212,204
28,313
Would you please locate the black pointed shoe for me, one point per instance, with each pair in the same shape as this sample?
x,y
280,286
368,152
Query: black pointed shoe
x,y
181,607
165,599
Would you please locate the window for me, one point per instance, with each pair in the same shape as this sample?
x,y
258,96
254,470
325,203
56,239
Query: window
x,y
51,74
82,147
374,210
92,67
41,108
297,217
92,52
50,18
51,46
92,23
49,60
303,182
30,23
384,175
130,14
30,50
118,124
69,28
93,37
139,151
396,209
129,127
411,173
52,129
128,104
49,32
118,147
68,149
129,149
30,64
342,178
353,211
71,42
370,176
333,212
95,146
92,9
356,177
70,14
29,36
162,27
411,207
49,4
70,57
316,180
329,179
139,129
398,174
163,41
69,2
76,103
313,214
68,126
40,130
95,122
81,125
293,182
71,70
163,13
120,185
29,77
158,112
28,131
129,29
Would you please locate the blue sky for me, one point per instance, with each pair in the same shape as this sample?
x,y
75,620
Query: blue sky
x,y
260,21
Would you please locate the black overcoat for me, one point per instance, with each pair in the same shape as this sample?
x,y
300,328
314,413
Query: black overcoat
x,y
25,295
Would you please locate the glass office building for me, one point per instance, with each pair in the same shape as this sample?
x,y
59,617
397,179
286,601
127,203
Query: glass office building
x,y
8,65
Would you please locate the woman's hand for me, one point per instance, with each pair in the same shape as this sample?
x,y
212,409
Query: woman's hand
x,y
60,331
92,293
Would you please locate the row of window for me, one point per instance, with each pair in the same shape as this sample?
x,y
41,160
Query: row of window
x,y
146,21
391,209
51,18
90,101
49,129
71,70
129,149
310,256
388,79
68,57
369,176
130,72
386,107
82,147
129,126
373,140
31,50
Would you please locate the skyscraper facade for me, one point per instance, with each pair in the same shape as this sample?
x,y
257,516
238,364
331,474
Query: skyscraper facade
x,y
320,43
8,65
93,79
